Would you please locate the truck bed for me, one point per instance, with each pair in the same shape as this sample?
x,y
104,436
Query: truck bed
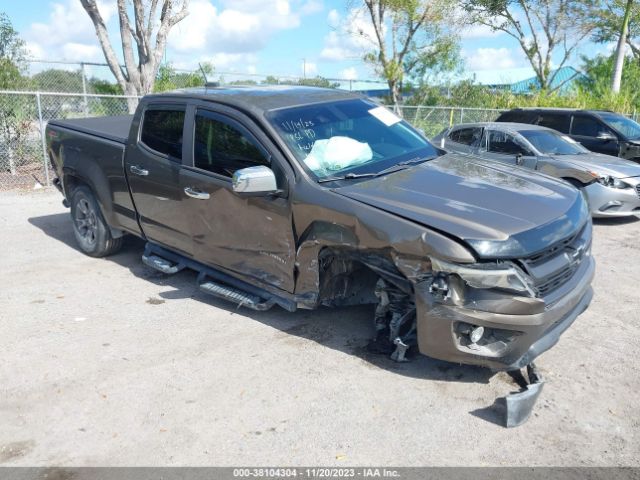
x,y
114,128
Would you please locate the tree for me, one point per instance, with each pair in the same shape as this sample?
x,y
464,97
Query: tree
x,y
543,28
609,20
16,114
409,38
57,80
622,40
595,87
149,33
317,81
12,47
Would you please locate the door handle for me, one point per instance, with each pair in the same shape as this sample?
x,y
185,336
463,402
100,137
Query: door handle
x,y
138,171
194,193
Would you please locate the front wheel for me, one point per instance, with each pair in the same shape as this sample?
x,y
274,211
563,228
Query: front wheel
x,y
91,231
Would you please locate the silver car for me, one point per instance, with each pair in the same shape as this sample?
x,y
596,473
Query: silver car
x,y
611,184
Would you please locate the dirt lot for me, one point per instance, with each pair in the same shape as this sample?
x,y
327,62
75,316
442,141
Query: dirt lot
x,y
105,362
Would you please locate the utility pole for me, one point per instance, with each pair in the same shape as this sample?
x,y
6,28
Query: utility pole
x,y
304,68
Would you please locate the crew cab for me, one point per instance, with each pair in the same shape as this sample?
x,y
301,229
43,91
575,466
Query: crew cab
x,y
302,197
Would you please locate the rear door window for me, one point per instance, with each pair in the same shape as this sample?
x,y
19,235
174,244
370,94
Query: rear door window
x,y
555,121
505,144
466,136
162,131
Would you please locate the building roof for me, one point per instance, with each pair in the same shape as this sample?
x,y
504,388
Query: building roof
x,y
562,81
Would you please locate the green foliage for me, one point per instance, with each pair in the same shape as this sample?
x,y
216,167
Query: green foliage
x,y
12,47
317,81
608,20
57,80
103,87
169,79
271,80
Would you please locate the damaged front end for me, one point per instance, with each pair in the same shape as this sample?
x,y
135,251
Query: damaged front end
x,y
499,314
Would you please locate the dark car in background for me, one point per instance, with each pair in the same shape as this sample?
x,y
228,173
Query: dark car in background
x,y
598,130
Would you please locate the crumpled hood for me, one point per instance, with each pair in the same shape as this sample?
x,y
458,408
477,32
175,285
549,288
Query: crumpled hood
x,y
485,203
603,164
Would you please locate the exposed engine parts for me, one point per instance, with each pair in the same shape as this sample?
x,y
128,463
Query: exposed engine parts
x,y
395,321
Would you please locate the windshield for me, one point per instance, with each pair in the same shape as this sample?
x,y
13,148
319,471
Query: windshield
x,y
348,137
624,125
551,143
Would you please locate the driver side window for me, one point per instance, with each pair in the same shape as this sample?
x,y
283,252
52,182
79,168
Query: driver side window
x,y
504,143
221,147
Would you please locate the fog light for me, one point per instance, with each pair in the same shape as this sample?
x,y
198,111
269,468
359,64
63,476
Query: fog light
x,y
476,334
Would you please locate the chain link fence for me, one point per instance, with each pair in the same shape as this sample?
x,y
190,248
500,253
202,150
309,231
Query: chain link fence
x,y
24,161
432,120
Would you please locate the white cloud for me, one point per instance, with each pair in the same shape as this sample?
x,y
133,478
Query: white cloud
x,y
349,74
492,59
68,33
350,37
236,27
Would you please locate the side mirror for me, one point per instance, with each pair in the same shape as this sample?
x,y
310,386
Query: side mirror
x,y
606,136
257,180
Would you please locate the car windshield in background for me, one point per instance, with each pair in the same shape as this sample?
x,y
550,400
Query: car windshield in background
x,y
349,137
624,125
550,143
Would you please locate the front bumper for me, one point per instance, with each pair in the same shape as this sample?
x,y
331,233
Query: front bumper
x,y
520,338
612,202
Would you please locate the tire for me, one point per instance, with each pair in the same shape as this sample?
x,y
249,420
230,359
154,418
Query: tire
x,y
91,231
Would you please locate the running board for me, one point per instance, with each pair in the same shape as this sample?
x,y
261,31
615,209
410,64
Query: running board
x,y
216,282
234,295
161,264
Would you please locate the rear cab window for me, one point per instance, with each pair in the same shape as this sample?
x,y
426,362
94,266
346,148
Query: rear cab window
x,y
162,130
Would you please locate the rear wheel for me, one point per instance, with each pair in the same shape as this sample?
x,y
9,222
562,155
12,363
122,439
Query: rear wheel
x,y
91,231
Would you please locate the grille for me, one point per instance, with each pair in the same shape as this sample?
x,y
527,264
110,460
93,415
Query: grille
x,y
555,266
638,189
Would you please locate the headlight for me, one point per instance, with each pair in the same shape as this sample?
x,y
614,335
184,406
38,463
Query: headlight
x,y
609,181
505,276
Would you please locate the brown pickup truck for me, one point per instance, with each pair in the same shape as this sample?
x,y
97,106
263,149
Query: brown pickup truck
x,y
302,197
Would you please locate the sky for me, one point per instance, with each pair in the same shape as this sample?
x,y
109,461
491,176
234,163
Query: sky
x,y
266,37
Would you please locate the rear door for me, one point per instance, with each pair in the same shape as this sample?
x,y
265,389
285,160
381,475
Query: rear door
x,y
506,148
248,235
152,164
560,122
586,129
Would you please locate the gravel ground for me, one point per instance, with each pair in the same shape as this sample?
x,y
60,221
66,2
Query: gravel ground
x,y
105,362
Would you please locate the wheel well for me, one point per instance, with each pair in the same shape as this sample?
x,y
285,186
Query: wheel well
x,y
71,182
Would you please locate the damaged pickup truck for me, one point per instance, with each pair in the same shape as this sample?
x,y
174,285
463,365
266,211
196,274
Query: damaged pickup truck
x,y
302,197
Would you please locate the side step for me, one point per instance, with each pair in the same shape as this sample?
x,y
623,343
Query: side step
x,y
235,295
161,264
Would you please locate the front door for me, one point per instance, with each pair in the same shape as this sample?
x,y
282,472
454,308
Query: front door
x,y
506,148
586,130
152,165
249,235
